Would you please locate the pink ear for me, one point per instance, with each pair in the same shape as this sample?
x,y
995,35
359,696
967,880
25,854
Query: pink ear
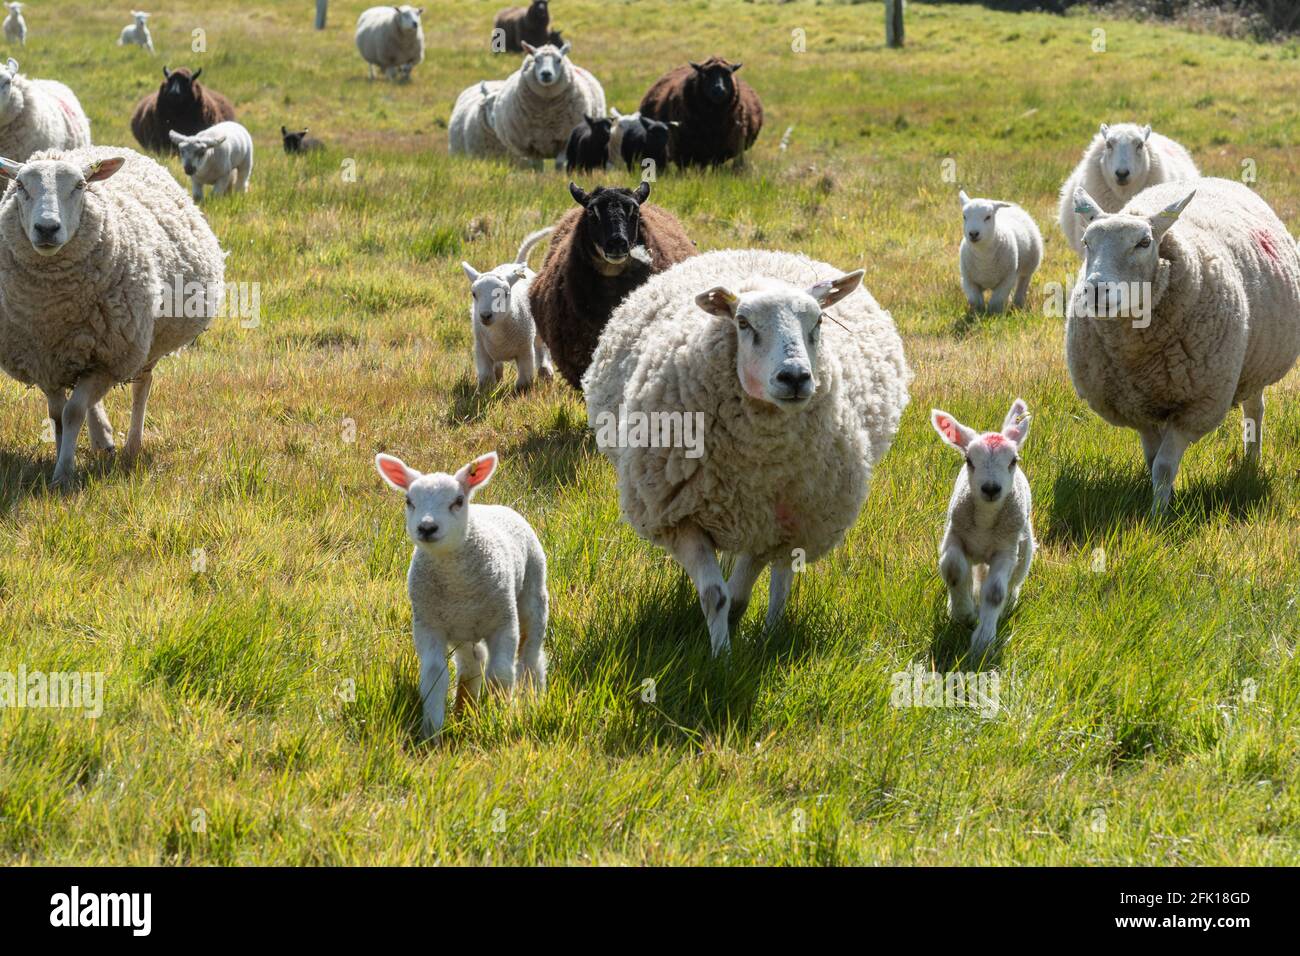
x,y
946,426
479,471
393,471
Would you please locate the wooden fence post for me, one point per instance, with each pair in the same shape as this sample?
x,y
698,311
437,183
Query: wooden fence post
x,y
320,13
894,23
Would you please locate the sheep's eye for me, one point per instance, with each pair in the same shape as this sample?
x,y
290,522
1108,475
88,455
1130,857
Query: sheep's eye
x,y
1012,466
1145,243
409,502
80,186
460,500
988,217
970,464
743,323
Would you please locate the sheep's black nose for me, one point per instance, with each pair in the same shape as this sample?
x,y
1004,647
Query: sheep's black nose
x,y
974,235
991,489
45,231
486,318
426,529
1122,175
796,380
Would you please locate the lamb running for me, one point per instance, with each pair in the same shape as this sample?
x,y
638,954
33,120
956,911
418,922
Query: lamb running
x,y
1119,163
477,584
503,321
794,413
1001,249
391,38
137,33
38,114
542,101
220,156
1188,303
988,543
15,25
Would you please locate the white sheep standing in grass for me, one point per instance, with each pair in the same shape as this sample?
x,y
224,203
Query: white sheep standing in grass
x,y
541,102
391,38
1188,303
988,543
1001,248
221,157
115,235
137,33
477,583
502,319
15,25
1120,162
38,114
798,379
469,131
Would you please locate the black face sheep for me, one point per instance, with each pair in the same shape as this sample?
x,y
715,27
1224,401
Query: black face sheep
x,y
720,115
647,139
181,104
598,254
300,142
588,147
515,26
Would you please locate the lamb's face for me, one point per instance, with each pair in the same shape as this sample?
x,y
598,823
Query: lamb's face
x,y
979,217
437,504
408,18
194,150
51,196
490,292
1125,159
140,18
547,67
991,458
599,129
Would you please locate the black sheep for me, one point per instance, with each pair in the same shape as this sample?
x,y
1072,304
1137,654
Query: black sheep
x,y
299,142
720,114
182,104
647,139
588,146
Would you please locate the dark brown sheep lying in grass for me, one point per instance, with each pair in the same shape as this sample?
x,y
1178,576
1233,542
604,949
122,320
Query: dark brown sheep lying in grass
x,y
720,115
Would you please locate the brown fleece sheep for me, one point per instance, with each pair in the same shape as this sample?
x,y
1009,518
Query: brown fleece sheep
x,y
181,104
720,115
598,254
520,25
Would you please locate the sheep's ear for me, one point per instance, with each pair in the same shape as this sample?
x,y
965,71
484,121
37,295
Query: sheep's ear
x,y
578,195
216,140
470,272
962,198
12,65
735,66
718,301
615,113
829,291
478,472
1001,205
393,471
197,74
283,131
695,66
1166,217
528,47
9,169
1016,425
101,169
951,430
1086,206
1105,131
166,73
175,137
1146,132
564,50
642,192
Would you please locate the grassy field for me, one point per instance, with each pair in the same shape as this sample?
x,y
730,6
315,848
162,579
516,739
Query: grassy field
x,y
263,708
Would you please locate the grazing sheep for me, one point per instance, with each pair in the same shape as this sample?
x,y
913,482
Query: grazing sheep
x,y
588,147
15,25
1001,249
477,584
38,114
220,156
139,275
794,413
181,104
469,132
720,114
391,38
988,542
515,26
137,33
542,101
299,142
1119,163
599,254
503,322
1188,303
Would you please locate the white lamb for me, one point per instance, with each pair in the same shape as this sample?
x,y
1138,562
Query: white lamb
x,y
15,25
1188,303
796,380
137,33
38,114
469,131
117,250
391,38
988,543
477,584
1119,163
221,157
542,101
1001,248
502,320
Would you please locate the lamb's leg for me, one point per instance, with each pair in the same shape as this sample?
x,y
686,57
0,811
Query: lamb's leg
x,y
974,295
54,402
372,72
1021,571
530,671
431,647
542,355
1151,439
992,599
139,399
196,190
1165,469
694,552
502,649
1022,290
222,185
1252,412
526,367
470,658
243,172
484,367
1000,294
741,585
778,590
100,429
956,572
88,391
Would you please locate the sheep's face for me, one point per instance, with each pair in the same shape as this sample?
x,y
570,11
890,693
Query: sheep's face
x,y
490,292
8,106
714,78
546,67
540,8
292,141
613,222
1125,159
195,150
437,504
991,458
656,135
179,86
140,17
408,18
51,195
778,331
979,217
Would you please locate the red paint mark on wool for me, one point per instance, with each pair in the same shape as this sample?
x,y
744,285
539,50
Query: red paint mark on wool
x,y
994,441
786,519
1266,243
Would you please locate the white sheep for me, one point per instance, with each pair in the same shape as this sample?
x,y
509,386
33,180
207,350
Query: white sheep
x,y
988,543
15,25
1188,303
38,114
477,584
502,320
1119,163
469,131
117,250
391,38
137,33
542,101
795,379
1001,248
221,157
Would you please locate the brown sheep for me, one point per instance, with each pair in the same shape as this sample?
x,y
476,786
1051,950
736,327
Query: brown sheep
x,y
182,104
720,114
520,25
598,254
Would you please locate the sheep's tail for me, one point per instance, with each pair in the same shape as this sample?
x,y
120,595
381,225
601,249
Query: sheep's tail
x,y
532,240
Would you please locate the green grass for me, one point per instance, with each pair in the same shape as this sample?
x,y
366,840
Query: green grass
x,y
1159,695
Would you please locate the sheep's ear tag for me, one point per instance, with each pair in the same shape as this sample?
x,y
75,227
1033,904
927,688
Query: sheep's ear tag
x,y
9,169
101,169
718,301
477,472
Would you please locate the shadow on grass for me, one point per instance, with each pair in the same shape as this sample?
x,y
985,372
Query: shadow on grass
x,y
23,475
552,454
